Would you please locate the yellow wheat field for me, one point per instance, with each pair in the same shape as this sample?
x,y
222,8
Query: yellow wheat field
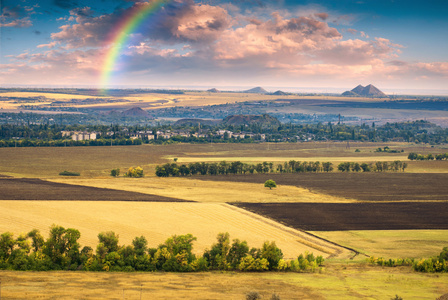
x,y
207,191
157,222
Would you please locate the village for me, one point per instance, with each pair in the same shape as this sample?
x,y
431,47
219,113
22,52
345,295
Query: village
x,y
166,134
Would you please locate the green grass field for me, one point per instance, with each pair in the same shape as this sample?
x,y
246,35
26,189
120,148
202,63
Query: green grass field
x,y
391,243
337,281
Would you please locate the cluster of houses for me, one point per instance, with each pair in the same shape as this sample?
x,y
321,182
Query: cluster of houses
x,y
80,135
167,134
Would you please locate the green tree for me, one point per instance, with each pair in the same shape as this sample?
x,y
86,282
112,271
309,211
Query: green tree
x,y
37,240
115,172
109,240
270,184
272,254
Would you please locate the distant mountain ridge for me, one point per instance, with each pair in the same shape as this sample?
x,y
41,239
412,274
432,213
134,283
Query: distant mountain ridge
x,y
365,91
135,112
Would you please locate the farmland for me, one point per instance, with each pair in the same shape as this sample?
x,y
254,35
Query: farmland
x,y
358,203
338,281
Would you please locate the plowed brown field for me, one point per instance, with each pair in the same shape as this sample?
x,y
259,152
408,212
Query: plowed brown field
x,y
355,216
359,186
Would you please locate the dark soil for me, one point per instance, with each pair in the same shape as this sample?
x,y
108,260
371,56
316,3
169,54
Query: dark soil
x,y
36,189
355,216
360,186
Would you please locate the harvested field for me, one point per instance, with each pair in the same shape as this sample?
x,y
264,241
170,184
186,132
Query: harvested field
x,y
36,189
338,281
205,191
359,186
355,216
158,221
93,161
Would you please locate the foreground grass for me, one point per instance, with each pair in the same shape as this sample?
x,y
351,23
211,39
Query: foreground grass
x,y
338,281
391,243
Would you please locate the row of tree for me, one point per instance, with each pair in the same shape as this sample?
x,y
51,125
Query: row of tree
x,y
379,166
416,131
67,142
62,251
237,167
416,156
428,265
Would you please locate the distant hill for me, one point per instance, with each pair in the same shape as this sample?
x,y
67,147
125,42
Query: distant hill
x,y
280,93
196,122
263,120
358,90
365,91
350,94
372,91
256,90
213,90
135,112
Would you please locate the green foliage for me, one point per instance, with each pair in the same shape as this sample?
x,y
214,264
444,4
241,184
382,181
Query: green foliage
x,y
253,296
270,184
61,251
136,172
69,173
416,156
115,172
396,298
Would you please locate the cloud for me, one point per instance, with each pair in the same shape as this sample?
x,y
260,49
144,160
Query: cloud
x,y
37,32
279,39
50,45
66,4
178,22
322,16
358,52
16,16
188,42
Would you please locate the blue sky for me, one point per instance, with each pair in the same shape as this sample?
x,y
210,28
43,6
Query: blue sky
x,y
392,44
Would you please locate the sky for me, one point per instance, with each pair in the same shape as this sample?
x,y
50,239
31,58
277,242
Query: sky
x,y
392,44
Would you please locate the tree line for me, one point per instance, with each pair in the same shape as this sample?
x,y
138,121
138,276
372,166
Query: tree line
x,y
44,134
416,156
237,167
62,251
428,265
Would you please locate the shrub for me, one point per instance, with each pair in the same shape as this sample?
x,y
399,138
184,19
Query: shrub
x,y
134,172
68,173
253,296
115,172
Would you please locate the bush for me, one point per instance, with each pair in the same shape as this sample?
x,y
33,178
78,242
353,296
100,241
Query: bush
x,y
134,172
115,172
253,296
68,173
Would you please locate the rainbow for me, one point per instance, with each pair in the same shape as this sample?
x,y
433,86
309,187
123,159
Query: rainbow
x,y
119,36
